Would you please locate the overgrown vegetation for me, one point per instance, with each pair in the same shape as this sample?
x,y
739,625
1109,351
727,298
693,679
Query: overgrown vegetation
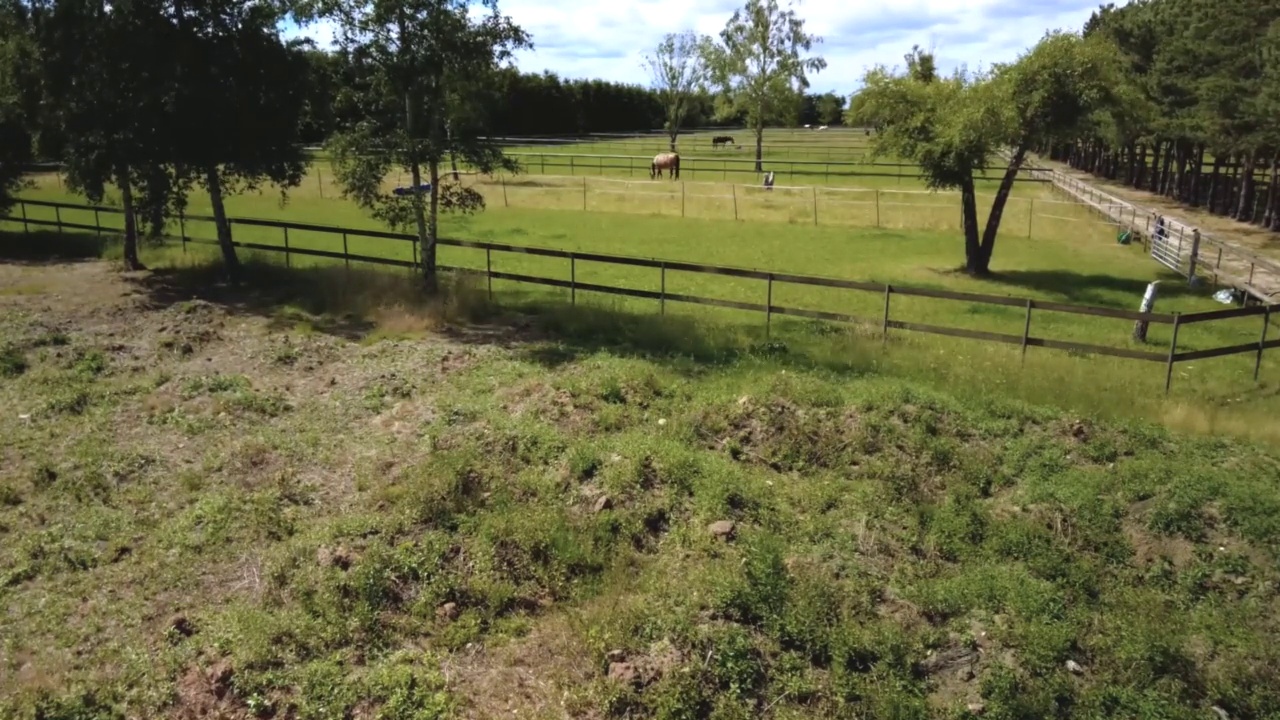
x,y
343,535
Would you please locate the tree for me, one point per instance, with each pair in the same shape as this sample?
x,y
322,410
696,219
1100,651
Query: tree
x,y
416,60
945,125
17,61
952,127
107,97
1048,95
678,70
760,65
239,102
830,107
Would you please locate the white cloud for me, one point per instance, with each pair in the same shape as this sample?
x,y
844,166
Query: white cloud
x,y
590,39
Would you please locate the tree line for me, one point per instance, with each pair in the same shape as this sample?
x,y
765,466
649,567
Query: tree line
x,y
160,99
1200,118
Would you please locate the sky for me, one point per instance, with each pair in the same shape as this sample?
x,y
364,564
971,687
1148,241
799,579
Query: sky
x,y
608,39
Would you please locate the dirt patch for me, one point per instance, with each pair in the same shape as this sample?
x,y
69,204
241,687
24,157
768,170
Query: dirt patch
x,y
205,692
540,400
536,676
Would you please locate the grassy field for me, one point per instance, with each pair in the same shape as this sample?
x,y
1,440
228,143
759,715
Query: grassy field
x,y
328,498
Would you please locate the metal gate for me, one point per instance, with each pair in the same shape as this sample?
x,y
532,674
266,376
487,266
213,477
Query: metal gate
x,y
1166,247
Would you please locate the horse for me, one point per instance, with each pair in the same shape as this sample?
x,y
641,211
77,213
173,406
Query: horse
x,y
665,160
719,140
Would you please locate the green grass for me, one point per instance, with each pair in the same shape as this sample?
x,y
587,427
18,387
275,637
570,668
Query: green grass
x,y
401,529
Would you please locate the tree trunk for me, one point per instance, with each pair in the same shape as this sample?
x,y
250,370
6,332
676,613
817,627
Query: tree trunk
x,y
1164,170
1193,186
1271,218
969,219
1244,210
997,210
1131,165
433,231
760,148
1155,166
1139,163
1215,185
1180,183
453,159
672,133
131,260
223,228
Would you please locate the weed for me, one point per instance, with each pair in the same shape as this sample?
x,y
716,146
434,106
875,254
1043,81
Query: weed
x,y
12,362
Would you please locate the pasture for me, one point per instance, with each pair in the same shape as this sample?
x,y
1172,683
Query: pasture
x,y
322,495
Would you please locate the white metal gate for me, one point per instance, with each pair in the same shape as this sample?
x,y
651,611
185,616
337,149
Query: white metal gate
x,y
1166,248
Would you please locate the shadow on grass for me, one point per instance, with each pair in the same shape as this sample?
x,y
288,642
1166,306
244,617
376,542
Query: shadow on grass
x,y
40,247
1092,289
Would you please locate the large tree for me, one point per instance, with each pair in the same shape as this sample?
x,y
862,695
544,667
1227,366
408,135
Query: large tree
x,y
761,65
17,65
1050,94
678,71
107,97
951,127
240,103
418,64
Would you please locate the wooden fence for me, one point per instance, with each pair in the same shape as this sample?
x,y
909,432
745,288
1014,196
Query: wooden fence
x,y
886,322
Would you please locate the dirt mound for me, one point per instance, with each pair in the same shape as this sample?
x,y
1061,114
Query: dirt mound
x,y
780,434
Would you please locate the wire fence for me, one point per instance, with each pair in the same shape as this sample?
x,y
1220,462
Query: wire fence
x,y
888,208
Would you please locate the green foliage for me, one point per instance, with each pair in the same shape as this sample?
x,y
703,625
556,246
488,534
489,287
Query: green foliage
x,y
760,64
423,69
678,71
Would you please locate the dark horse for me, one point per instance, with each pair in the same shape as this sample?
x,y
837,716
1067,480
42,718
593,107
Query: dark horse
x,y
719,140
665,161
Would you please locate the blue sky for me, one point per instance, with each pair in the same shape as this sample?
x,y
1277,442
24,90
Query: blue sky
x,y
592,39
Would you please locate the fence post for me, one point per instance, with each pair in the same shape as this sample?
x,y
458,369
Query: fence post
x,y
573,280
1195,255
1031,216
488,270
182,226
97,228
1266,320
25,228
884,329
1251,266
320,181
503,180
877,207
815,203
286,247
681,198
1173,346
584,193
768,307
346,256
734,188
57,216
662,293
571,165
1026,332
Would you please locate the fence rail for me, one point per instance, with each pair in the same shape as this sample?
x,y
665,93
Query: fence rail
x,y
586,163
768,308
1177,249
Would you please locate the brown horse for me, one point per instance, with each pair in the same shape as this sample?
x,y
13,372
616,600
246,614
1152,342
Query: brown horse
x,y
668,161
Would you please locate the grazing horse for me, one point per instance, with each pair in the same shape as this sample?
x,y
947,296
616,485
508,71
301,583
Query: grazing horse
x,y
719,140
667,160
